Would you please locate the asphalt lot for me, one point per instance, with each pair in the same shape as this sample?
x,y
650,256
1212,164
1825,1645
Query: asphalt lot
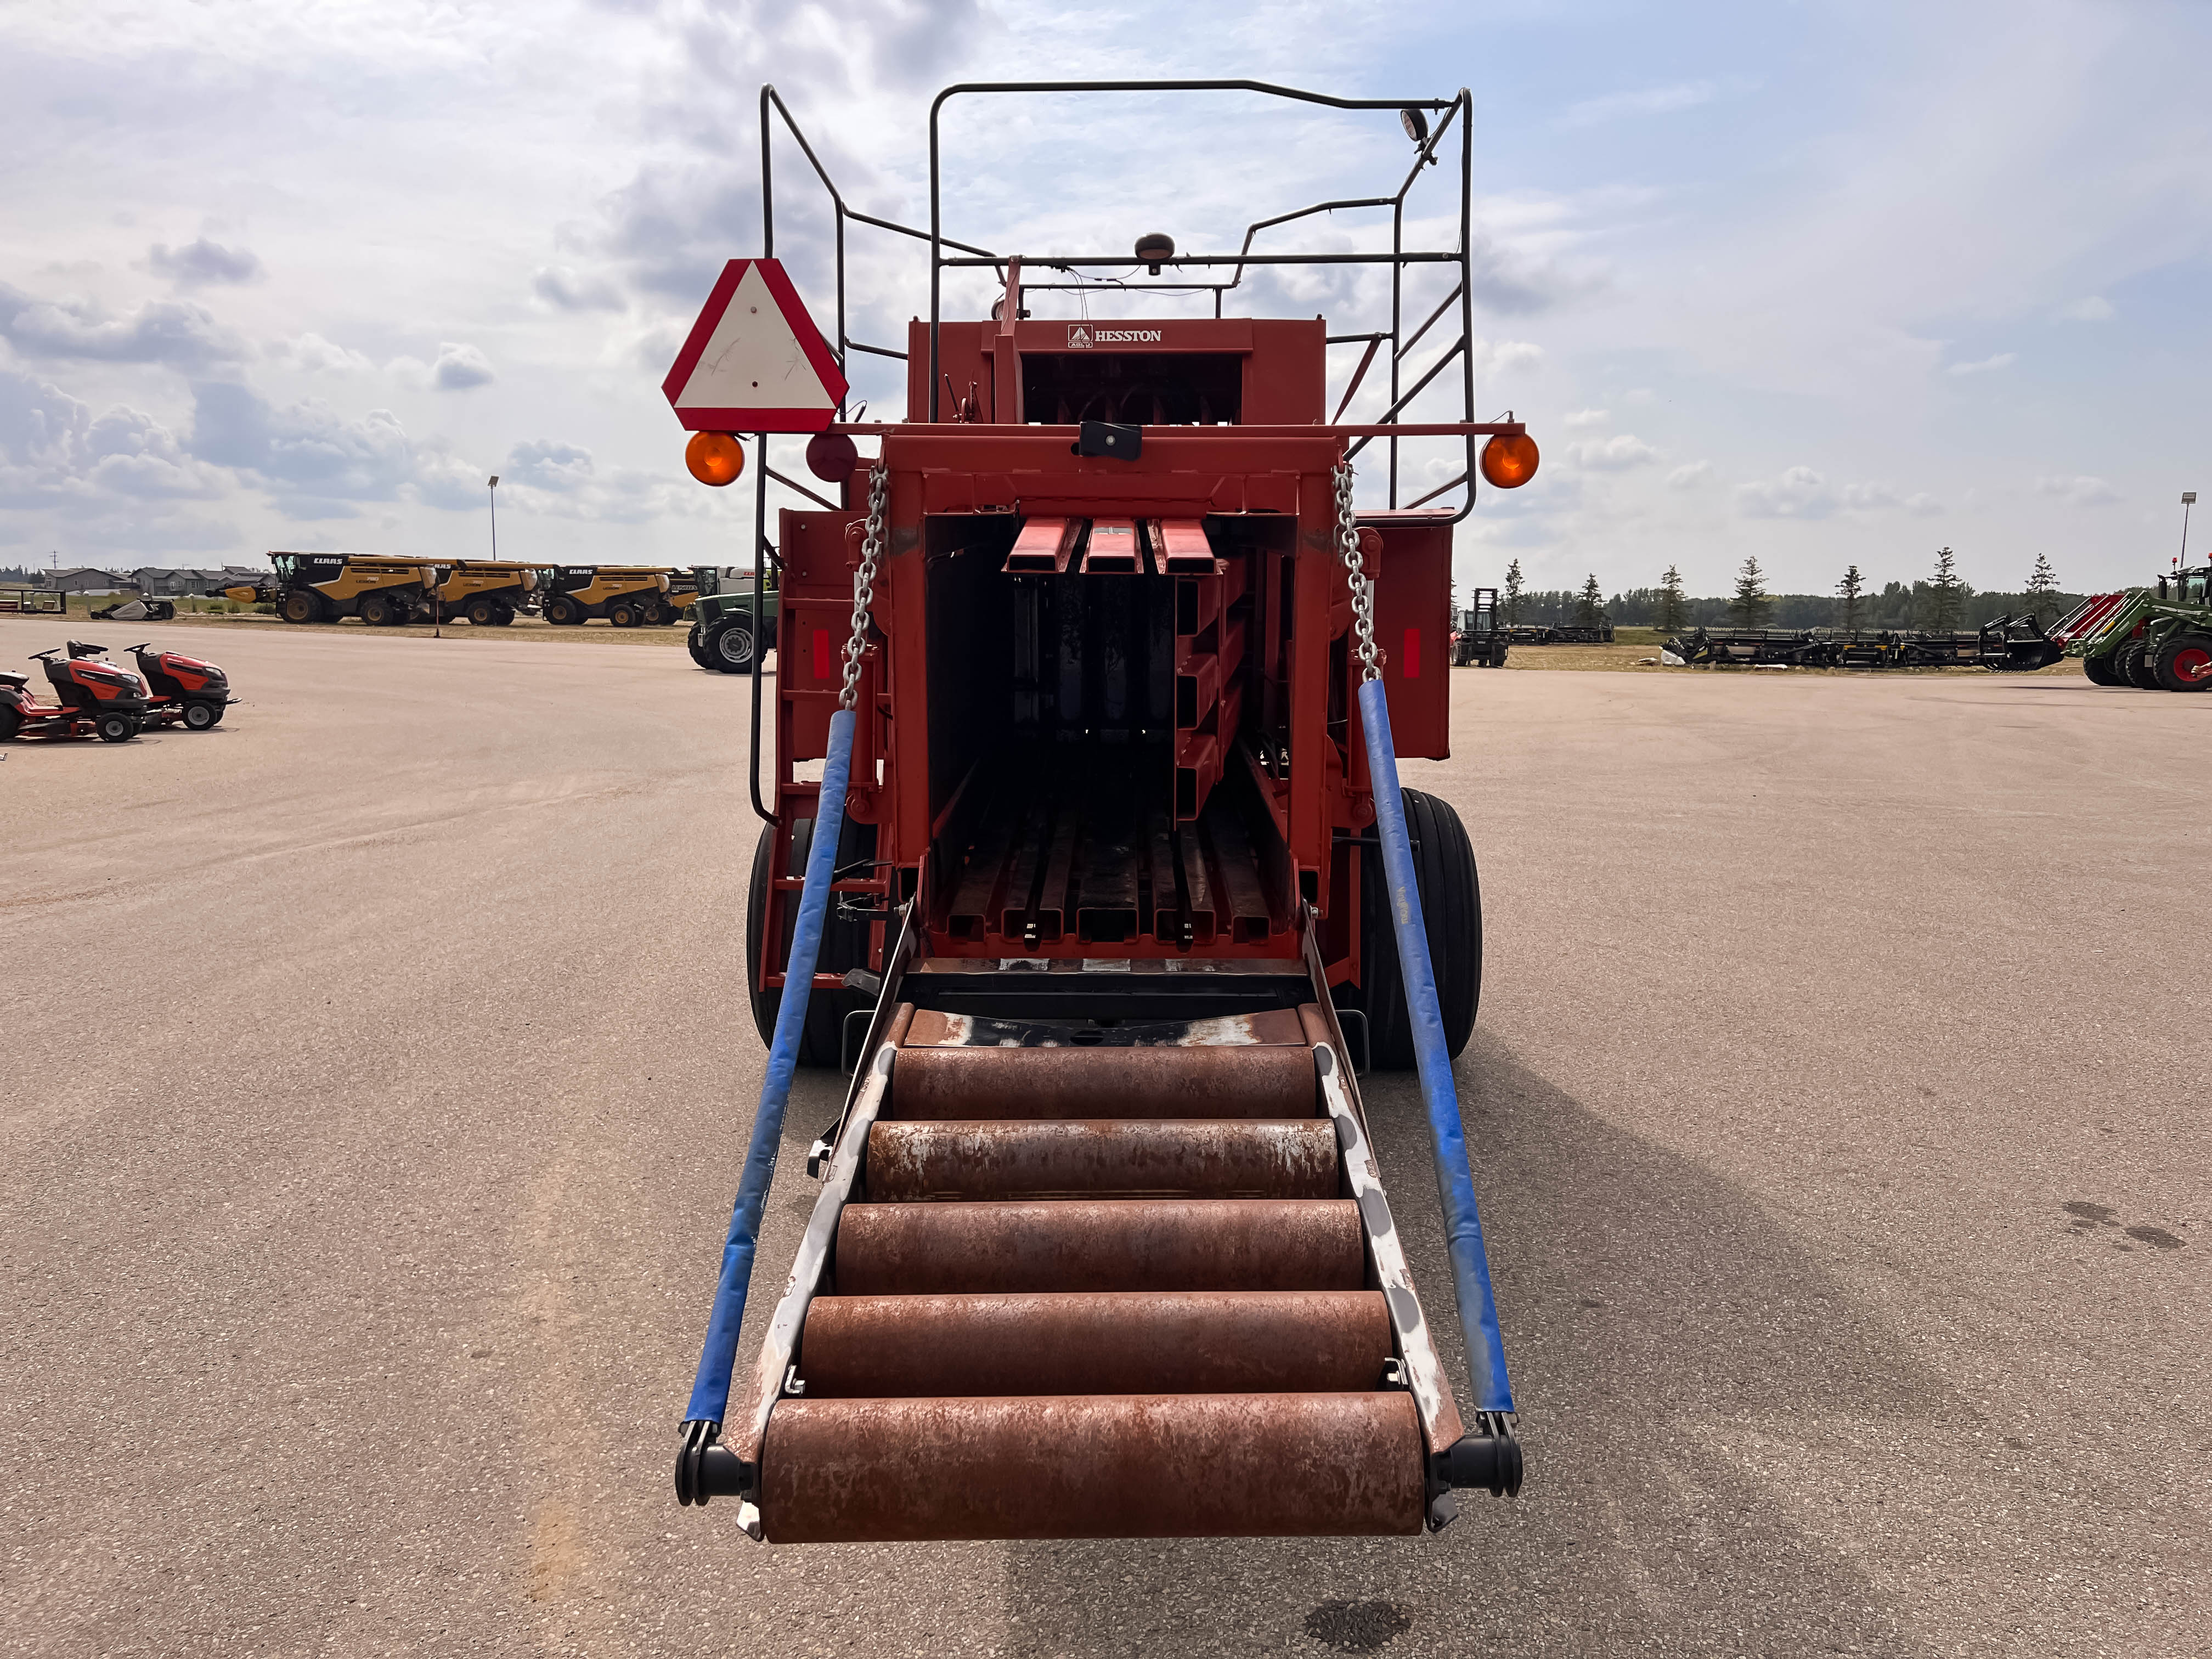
x,y
377,1069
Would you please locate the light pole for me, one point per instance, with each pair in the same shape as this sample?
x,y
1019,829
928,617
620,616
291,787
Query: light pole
x,y
2188,501
494,487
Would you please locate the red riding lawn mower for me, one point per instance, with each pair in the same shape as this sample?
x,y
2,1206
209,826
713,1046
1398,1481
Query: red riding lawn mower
x,y
95,698
184,688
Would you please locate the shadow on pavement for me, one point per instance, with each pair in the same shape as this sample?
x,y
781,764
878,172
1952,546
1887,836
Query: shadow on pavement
x,y
1686,1373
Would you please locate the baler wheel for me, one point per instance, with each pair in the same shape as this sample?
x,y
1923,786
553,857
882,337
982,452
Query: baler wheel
x,y
2134,663
2184,663
844,943
2102,670
1451,907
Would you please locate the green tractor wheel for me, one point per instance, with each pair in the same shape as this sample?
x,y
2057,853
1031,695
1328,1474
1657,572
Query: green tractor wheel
x,y
2134,663
2184,663
2102,670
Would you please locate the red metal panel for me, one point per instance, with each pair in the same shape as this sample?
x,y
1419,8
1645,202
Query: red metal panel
x,y
1412,621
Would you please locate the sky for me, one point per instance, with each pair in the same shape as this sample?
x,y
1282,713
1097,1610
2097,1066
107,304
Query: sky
x,y
1824,284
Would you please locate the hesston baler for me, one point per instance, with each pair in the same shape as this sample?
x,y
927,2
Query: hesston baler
x,y
1084,725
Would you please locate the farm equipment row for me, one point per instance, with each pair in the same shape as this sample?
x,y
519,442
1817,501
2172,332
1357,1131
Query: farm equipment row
x,y
2157,639
1084,831
2007,644
1598,633
323,587
95,698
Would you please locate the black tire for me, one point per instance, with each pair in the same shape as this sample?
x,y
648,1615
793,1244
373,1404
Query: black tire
x,y
11,721
216,712
202,716
502,614
562,611
653,614
116,728
844,943
623,615
376,610
2184,663
2102,670
482,613
301,604
731,645
1451,911
2135,664
697,648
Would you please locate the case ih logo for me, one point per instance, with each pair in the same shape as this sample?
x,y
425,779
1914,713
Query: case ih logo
x,y
1081,336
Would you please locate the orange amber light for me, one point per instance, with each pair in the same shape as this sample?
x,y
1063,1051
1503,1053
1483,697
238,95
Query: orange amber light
x,y
715,458
1507,463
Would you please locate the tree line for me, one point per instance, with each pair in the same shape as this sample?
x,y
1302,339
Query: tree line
x,y
1941,600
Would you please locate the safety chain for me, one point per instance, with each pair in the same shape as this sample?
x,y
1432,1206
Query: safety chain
x,y
1362,586
864,582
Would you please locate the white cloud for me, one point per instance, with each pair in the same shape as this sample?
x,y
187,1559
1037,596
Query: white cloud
x,y
316,355
174,332
1799,493
1577,420
1874,496
2078,491
560,287
1616,454
204,263
1690,477
460,367
1651,100
55,453
1986,366
2092,308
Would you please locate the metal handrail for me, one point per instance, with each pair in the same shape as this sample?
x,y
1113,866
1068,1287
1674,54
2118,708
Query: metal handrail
x,y
1459,107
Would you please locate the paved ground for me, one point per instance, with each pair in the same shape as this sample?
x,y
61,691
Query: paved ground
x,y
375,1073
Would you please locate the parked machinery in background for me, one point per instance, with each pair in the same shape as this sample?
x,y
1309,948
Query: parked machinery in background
x,y
34,601
2157,639
1480,642
1598,633
724,626
135,609
323,587
2006,645
627,595
484,592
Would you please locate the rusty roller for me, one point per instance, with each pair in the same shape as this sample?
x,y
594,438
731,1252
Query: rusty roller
x,y
1174,1157
1115,1244
1095,1466
1127,1342
1244,1080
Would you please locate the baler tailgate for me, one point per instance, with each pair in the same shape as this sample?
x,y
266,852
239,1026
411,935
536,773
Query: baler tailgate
x,y
1068,1281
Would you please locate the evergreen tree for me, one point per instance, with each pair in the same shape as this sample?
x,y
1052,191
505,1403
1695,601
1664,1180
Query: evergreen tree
x,y
1513,593
1590,604
1750,602
1851,587
2042,583
1674,614
1944,591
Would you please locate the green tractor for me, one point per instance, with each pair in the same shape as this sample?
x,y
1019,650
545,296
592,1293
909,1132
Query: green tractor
x,y
722,637
2157,638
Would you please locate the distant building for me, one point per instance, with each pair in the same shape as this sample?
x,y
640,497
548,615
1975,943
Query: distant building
x,y
85,580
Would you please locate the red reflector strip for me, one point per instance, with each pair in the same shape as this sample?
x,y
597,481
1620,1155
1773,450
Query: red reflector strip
x,y
1412,653
821,654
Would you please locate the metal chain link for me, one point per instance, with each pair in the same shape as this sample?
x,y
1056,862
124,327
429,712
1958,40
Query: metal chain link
x,y
864,582
1362,586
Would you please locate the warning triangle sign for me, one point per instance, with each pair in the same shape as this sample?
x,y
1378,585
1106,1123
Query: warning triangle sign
x,y
754,361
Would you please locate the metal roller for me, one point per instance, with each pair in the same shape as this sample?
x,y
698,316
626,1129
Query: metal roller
x,y
1127,1342
1239,1081
1176,1158
1084,1244
1093,1465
